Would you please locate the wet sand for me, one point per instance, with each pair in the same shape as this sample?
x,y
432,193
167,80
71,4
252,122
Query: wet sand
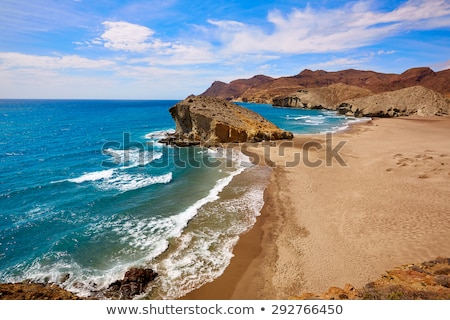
x,y
371,198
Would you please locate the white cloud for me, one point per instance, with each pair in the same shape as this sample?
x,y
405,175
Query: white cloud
x,y
139,39
339,63
126,36
20,60
311,30
349,62
229,24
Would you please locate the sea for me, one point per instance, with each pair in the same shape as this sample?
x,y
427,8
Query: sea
x,y
87,192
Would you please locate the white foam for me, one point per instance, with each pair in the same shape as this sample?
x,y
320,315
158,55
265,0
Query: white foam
x,y
93,176
12,154
159,134
149,236
203,254
358,120
184,217
126,182
132,158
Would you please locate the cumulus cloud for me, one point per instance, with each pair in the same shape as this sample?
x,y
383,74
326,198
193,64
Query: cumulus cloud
x,y
311,30
140,39
126,36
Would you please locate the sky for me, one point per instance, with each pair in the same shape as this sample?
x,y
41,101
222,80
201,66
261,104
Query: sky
x,y
146,49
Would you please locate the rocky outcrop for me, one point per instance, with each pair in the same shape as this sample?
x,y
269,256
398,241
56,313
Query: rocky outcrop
x,y
409,101
135,282
423,281
321,98
34,291
211,121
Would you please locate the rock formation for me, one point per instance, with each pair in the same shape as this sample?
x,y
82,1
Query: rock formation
x,y
415,100
321,98
34,291
135,282
211,121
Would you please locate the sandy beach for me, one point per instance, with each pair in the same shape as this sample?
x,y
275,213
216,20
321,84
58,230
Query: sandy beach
x,y
345,211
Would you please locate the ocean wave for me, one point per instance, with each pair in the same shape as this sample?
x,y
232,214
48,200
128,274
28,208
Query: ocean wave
x,y
126,182
14,154
202,254
144,238
115,179
131,158
353,120
93,176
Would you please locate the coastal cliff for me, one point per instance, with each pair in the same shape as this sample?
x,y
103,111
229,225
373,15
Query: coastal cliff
x,y
415,100
321,98
209,121
359,102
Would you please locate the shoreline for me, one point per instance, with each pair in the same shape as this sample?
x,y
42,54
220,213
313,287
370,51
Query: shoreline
x,y
317,247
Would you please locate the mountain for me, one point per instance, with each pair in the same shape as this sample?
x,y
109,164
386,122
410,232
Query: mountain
x,y
235,88
263,89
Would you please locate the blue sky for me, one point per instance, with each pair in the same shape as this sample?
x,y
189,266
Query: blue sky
x,y
136,49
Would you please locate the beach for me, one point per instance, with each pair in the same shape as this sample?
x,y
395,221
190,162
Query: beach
x,y
344,209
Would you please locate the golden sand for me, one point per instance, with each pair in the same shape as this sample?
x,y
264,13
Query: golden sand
x,y
383,200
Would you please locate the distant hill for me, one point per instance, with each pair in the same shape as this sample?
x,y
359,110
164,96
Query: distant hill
x,y
263,89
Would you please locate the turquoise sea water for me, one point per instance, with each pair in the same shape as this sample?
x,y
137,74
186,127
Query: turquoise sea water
x,y
86,192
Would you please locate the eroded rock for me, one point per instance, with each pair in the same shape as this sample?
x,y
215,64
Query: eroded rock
x,y
212,121
415,100
135,282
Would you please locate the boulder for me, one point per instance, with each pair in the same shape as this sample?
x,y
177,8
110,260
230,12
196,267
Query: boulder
x,y
135,282
212,121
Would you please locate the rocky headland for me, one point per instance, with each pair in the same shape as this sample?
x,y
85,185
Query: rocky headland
x,y
209,121
415,100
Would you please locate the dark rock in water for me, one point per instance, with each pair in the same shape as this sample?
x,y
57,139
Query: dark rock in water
x,y
135,282
212,121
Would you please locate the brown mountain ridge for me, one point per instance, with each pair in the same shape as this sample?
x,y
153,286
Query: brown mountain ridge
x,y
262,89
